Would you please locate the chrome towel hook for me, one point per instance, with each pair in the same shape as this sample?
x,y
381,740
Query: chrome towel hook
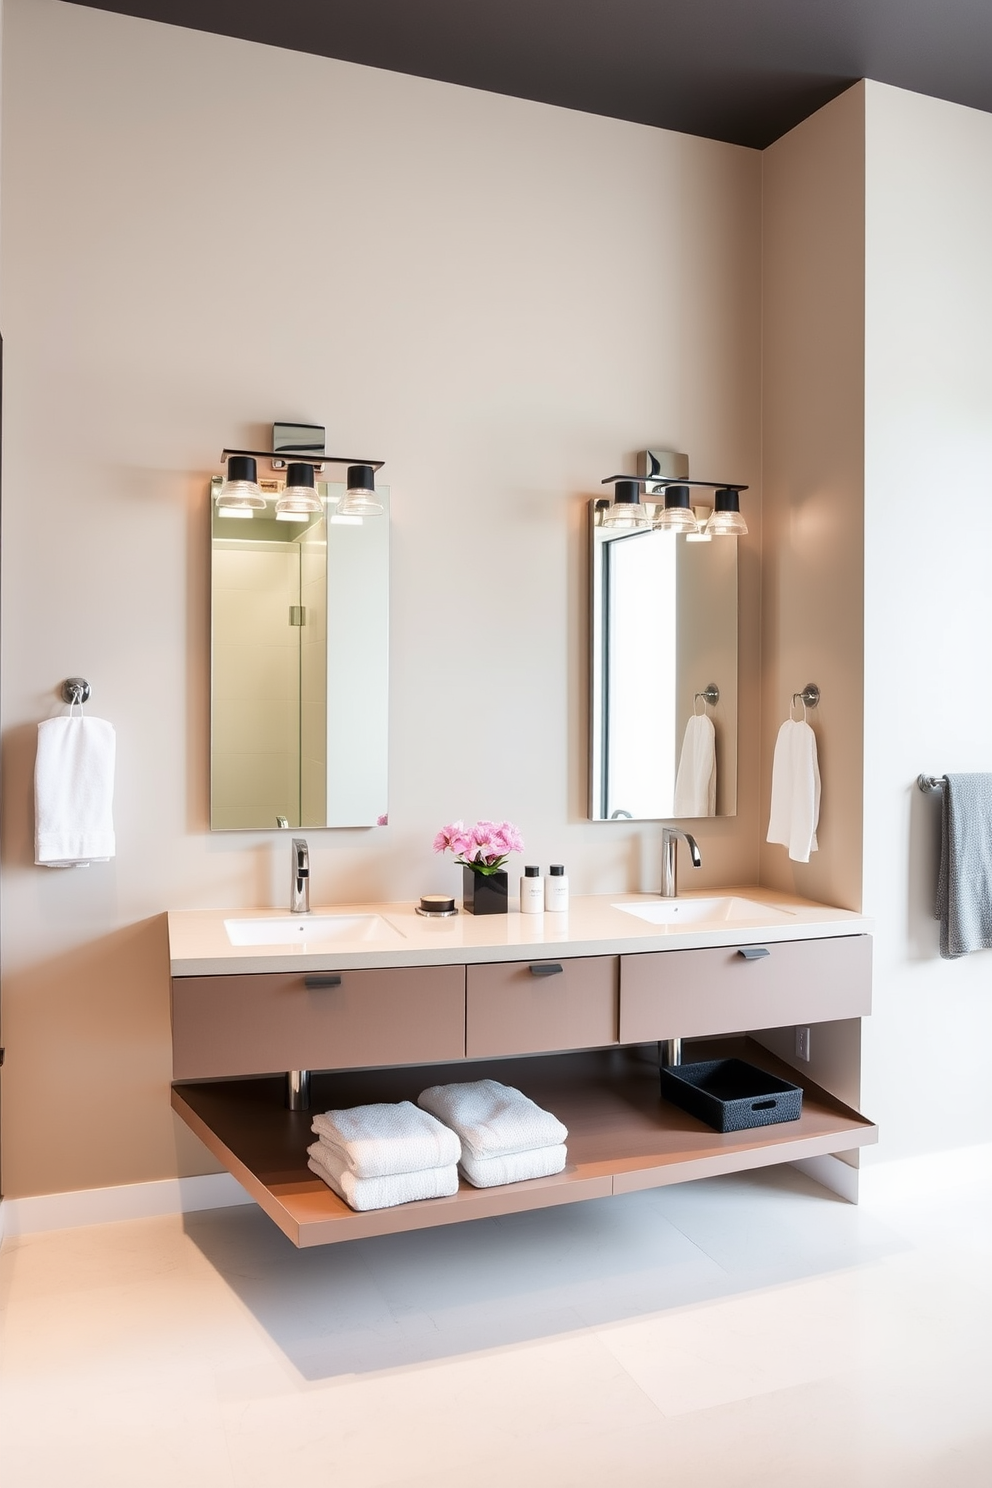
x,y
75,690
809,697
710,694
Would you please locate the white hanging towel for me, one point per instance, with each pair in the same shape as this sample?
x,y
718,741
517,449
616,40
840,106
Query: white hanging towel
x,y
695,780
795,791
74,792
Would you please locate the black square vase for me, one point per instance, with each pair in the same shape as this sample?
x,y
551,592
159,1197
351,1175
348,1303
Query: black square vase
x,y
484,893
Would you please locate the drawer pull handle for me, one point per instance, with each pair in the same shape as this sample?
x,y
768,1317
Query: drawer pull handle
x,y
765,1105
547,968
753,953
315,983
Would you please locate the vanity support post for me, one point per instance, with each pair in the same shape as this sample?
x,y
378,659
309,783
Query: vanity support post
x,y
670,1052
298,1090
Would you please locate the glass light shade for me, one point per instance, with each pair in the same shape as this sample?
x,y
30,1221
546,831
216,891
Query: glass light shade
x,y
360,500
240,490
676,514
299,499
726,520
625,510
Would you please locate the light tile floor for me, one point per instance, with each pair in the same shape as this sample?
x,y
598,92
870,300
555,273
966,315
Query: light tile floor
x,y
749,1330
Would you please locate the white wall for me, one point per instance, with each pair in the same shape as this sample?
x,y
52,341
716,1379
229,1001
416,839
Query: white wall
x,y
928,597
500,299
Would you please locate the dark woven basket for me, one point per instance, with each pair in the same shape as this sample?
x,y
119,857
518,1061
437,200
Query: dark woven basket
x,y
730,1094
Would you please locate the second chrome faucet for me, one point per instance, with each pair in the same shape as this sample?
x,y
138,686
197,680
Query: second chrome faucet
x,y
299,894
669,837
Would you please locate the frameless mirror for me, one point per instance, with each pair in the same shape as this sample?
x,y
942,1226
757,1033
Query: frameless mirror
x,y
299,668
664,641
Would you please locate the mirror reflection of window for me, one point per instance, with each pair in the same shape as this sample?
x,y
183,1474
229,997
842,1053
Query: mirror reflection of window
x,y
299,669
640,672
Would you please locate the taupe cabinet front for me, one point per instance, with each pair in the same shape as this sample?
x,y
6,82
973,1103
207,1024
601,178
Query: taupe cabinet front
x,y
228,1026
256,1025
688,994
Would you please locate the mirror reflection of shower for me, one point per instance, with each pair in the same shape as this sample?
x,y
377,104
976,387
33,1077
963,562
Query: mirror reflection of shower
x,y
299,631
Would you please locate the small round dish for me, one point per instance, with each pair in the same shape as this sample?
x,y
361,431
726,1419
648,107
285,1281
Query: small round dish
x,y
436,906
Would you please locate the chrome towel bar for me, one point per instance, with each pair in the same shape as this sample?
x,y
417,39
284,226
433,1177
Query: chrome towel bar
x,y
928,783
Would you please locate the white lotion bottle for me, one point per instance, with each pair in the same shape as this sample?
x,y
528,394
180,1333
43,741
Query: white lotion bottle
x,y
556,889
532,891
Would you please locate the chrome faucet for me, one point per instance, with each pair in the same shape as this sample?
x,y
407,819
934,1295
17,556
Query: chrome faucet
x,y
669,837
299,894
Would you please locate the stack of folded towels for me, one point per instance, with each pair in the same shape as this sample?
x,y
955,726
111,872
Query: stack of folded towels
x,y
505,1137
378,1155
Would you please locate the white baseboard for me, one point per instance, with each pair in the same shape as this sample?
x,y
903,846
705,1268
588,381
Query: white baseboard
x,y
833,1173
90,1206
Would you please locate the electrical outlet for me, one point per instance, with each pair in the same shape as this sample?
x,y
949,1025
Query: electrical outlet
x,y
802,1043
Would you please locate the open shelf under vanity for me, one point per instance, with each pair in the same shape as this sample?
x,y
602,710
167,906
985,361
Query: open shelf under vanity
x,y
622,1136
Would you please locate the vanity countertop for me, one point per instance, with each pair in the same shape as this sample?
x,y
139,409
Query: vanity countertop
x,y
593,925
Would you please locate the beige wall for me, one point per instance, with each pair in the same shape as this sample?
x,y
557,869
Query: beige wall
x,y
928,597
501,300
813,475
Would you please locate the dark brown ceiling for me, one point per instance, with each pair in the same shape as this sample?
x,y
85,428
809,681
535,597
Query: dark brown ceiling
x,y
738,70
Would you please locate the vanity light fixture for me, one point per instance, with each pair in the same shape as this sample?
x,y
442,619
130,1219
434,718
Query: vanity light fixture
x,y
677,513
360,500
625,510
240,495
299,450
726,520
299,499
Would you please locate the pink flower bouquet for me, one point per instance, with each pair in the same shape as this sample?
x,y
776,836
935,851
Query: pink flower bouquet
x,y
484,848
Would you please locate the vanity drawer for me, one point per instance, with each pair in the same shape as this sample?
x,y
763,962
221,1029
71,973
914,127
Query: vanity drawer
x,y
678,994
253,1025
529,1007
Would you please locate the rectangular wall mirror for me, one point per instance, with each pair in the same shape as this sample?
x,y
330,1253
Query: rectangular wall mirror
x,y
663,631
299,668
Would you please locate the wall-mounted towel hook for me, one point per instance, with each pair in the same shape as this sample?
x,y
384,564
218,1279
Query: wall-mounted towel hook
x,y
75,690
710,694
809,697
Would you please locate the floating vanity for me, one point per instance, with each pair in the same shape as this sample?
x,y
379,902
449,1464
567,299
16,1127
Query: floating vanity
x,y
379,1003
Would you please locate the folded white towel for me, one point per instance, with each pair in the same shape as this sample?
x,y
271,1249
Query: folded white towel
x,y
74,792
795,808
695,779
377,1140
492,1120
512,1167
385,1192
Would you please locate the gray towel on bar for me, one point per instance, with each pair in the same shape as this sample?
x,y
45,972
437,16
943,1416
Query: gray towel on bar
x,y
964,887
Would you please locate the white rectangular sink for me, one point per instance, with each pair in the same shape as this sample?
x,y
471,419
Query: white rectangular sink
x,y
310,930
718,911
